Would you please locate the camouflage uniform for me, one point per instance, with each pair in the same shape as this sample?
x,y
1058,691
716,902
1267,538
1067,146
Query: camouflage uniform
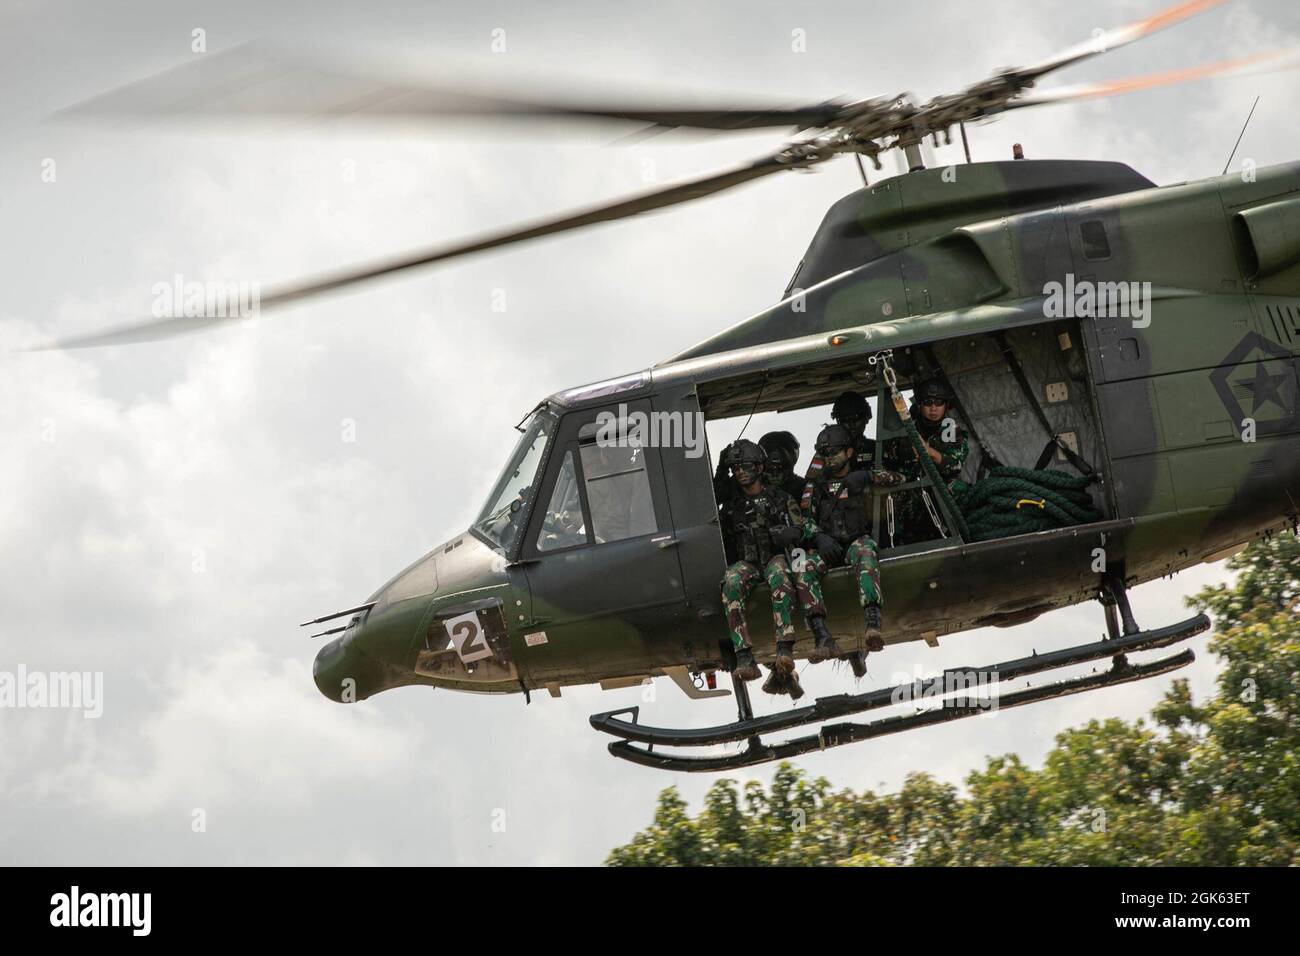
x,y
864,459
851,411
841,513
912,518
748,525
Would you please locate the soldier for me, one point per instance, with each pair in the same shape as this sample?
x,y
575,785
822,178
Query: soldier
x,y
946,444
852,411
838,505
760,525
782,455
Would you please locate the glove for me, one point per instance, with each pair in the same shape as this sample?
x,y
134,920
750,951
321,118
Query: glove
x,y
829,548
886,478
788,536
856,482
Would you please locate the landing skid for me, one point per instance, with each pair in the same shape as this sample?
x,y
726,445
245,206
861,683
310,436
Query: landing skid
x,y
938,692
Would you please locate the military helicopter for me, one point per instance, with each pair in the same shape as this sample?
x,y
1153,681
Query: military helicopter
x,y
1179,410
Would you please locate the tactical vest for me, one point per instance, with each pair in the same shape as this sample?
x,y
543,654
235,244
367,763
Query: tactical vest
x,y
839,514
750,522
864,459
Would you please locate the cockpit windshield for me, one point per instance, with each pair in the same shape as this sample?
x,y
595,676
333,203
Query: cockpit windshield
x,y
503,515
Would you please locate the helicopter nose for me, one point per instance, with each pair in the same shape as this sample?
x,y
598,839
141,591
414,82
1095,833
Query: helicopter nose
x,y
331,670
363,660
345,673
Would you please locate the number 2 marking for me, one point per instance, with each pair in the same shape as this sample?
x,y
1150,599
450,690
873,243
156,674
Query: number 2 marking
x,y
468,637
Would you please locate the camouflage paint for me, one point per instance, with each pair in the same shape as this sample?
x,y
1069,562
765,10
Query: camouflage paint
x,y
928,256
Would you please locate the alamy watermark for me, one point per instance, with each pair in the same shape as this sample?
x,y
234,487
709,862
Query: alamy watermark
x,y
656,429
62,690
1086,299
129,910
179,299
961,687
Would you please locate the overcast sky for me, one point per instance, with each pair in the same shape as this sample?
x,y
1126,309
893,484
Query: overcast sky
x,y
171,512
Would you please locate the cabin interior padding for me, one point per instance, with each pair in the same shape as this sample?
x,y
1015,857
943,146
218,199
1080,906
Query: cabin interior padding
x,y
1051,357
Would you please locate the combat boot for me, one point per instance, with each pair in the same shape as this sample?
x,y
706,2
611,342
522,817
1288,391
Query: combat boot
x,y
792,687
776,683
871,620
746,667
857,663
782,679
826,649
785,662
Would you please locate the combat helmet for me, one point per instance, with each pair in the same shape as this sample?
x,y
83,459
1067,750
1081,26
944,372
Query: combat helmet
x,y
781,446
851,407
745,458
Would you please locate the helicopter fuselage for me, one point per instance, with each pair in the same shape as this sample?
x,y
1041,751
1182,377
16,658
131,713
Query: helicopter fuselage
x,y
1186,401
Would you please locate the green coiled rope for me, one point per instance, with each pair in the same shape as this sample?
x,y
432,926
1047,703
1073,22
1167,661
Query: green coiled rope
x,y
1021,500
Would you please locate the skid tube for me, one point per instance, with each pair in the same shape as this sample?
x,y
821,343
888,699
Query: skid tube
x,y
932,690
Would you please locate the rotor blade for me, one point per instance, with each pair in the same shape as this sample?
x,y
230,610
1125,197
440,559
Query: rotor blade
x,y
1273,60
154,329
136,333
1108,40
252,81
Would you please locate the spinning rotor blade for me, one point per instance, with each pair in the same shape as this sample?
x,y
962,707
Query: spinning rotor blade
x,y
253,80
1274,60
248,82
154,329
1006,89
1108,40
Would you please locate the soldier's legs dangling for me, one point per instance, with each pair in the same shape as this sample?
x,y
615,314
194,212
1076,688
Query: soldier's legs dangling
x,y
737,582
861,556
808,582
777,573
783,679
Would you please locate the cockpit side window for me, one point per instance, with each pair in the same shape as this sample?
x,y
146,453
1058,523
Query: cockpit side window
x,y
503,515
563,525
618,491
602,484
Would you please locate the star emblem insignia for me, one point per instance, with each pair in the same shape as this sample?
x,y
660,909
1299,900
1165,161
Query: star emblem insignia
x,y
1268,388
1278,387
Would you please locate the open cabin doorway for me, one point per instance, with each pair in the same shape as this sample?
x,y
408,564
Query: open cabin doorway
x,y
994,378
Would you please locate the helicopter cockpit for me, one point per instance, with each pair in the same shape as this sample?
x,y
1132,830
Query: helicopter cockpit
x,y
505,510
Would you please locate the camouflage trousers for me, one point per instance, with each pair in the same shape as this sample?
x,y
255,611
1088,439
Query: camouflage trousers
x,y
861,556
740,580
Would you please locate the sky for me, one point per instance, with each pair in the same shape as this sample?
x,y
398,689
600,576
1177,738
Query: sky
x,y
173,511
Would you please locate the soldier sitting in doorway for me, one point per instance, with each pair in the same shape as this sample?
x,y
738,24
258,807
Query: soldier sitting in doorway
x,y
837,503
761,524
852,411
946,445
782,455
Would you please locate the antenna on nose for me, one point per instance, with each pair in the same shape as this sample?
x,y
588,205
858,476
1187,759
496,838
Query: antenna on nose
x,y
337,614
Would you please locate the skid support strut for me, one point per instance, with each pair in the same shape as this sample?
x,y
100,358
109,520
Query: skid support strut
x,y
947,697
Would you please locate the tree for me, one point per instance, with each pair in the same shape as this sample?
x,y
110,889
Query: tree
x,y
1216,784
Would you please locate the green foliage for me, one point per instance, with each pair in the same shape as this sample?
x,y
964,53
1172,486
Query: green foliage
x,y
1211,785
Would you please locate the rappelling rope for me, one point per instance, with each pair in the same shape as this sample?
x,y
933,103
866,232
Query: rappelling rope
x,y
918,444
